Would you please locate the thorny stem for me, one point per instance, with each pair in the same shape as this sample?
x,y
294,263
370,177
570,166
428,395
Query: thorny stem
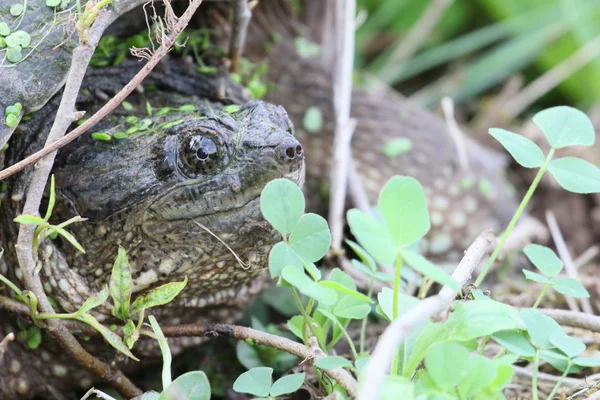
x,y
515,217
542,293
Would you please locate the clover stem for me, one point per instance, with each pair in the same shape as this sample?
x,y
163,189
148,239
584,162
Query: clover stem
x,y
482,345
395,361
542,293
560,381
516,217
536,363
347,336
363,328
303,312
397,285
11,285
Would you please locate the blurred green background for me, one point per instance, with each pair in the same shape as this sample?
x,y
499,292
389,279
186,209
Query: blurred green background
x,y
469,48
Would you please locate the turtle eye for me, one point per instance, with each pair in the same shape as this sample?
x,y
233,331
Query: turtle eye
x,y
202,153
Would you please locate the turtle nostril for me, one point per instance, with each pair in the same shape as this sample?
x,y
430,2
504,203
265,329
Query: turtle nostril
x,y
290,153
299,150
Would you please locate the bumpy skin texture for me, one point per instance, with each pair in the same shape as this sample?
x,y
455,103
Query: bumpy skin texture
x,y
163,194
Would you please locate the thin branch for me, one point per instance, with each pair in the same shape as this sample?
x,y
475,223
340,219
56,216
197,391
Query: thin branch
x,y
343,31
458,137
574,319
241,18
553,77
64,117
565,256
402,327
308,353
114,102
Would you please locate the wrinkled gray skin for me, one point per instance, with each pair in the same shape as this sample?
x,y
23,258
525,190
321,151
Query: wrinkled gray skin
x,y
163,194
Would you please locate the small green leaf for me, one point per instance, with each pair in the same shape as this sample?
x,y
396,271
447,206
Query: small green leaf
x,y
536,277
16,9
565,126
18,107
68,236
127,105
52,199
256,382
30,220
386,302
231,108
104,137
12,110
395,147
187,108
517,342
282,255
112,338
446,374
94,300
18,38
257,89
524,151
373,236
313,120
569,345
163,111
332,362
190,386
308,287
130,334
576,175
363,255
4,29
587,361
148,108
403,205
481,373
121,285
52,3
544,259
157,297
287,384
342,289
310,238
540,327
34,337
305,47
171,124
428,269
119,135
282,204
13,54
570,287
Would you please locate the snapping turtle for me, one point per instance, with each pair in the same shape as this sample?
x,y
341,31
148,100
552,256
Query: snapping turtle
x,y
178,189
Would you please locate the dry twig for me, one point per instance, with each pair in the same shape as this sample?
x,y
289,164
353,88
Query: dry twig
x,y
241,18
343,34
309,353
